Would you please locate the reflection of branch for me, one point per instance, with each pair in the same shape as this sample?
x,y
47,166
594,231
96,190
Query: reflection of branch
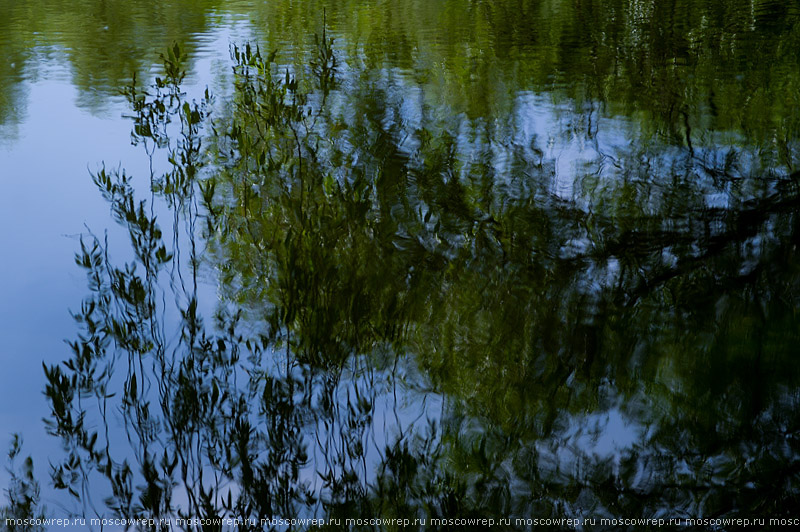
x,y
744,225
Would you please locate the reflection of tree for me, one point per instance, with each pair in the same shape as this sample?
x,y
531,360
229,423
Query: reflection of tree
x,y
22,495
534,309
670,64
680,67
101,42
360,258
10,75
691,332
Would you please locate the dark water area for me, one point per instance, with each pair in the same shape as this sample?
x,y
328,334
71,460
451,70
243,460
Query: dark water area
x,y
442,261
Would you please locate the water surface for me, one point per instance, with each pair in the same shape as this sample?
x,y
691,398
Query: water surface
x,y
569,227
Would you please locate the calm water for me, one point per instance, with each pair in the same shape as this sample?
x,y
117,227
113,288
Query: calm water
x,y
562,233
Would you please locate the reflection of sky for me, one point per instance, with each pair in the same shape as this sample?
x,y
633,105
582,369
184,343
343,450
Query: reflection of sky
x,y
48,199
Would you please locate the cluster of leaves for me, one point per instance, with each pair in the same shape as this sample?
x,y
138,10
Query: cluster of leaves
x,y
24,509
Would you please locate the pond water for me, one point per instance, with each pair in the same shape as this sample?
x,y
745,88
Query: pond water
x,y
506,259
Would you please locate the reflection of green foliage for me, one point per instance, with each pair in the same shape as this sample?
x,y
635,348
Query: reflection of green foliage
x,y
24,505
527,307
100,42
362,258
730,67
11,69
682,68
